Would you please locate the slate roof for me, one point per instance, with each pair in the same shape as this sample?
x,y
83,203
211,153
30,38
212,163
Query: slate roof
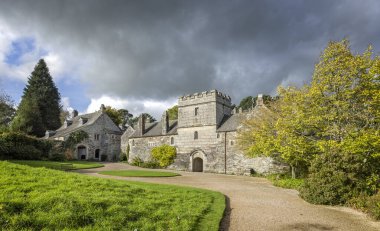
x,y
155,129
76,124
232,122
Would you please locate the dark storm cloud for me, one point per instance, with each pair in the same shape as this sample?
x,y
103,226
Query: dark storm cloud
x,y
164,49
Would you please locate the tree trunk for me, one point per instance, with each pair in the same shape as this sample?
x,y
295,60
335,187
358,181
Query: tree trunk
x,y
293,171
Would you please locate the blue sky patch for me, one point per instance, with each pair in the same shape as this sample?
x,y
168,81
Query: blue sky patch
x,y
19,47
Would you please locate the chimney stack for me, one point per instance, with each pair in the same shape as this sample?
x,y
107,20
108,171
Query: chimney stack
x,y
165,123
260,100
102,108
141,124
74,113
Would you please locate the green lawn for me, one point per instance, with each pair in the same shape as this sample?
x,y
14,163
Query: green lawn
x,y
139,173
59,165
37,198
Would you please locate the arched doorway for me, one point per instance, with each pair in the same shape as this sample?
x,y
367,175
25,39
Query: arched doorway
x,y
197,164
82,153
198,161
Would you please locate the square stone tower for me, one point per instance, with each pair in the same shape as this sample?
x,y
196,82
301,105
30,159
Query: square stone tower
x,y
199,116
207,108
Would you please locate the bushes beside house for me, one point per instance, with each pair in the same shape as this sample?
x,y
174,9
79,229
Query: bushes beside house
x,y
161,157
164,155
18,146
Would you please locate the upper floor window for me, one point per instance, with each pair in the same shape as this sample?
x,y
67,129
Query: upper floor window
x,y
133,142
195,135
172,140
218,135
196,111
231,142
96,136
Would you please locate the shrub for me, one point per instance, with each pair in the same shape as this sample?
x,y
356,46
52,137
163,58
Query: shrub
x,y
336,178
286,181
164,154
150,164
137,161
15,145
368,204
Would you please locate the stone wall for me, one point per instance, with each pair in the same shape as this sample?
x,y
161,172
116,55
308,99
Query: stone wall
x,y
141,147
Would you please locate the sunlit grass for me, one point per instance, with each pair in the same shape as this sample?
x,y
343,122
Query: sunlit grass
x,y
38,198
59,165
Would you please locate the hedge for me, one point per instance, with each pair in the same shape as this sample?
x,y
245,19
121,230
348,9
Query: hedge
x,y
18,146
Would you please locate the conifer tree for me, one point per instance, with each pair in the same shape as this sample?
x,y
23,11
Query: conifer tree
x,y
40,99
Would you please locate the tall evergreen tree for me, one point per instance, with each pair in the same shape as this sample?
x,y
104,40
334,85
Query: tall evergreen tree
x,y
41,97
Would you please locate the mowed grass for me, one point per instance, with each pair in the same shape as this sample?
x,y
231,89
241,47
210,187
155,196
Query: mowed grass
x,y
59,165
37,198
138,173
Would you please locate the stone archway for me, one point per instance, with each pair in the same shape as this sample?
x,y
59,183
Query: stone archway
x,y
197,161
197,164
82,153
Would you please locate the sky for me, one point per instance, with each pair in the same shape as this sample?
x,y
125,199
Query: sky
x,y
143,55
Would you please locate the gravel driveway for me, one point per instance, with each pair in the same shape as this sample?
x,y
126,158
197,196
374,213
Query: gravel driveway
x,y
254,204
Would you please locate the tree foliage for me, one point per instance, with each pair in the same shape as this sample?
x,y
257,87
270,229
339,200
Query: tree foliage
x,y
173,112
164,155
42,98
334,118
119,116
7,110
250,101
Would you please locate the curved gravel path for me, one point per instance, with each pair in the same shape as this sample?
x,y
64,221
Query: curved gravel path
x,y
254,204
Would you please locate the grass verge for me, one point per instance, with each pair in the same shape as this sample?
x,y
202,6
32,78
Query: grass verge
x,y
36,199
138,173
59,165
285,181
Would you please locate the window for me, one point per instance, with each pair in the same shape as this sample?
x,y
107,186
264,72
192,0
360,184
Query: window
x,y
218,135
231,142
133,142
195,135
96,136
196,111
172,140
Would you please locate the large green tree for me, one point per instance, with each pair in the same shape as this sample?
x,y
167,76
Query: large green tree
x,y
119,116
335,117
40,99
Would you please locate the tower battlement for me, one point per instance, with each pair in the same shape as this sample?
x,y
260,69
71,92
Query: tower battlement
x,y
213,95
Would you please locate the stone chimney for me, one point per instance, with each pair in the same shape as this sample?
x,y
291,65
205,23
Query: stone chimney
x,y
260,100
165,123
74,113
141,124
240,110
234,111
102,108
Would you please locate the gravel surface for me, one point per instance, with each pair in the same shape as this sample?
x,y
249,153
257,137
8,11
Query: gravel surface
x,y
255,204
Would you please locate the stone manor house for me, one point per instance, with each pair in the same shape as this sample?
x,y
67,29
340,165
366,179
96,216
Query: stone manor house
x,y
204,136
103,143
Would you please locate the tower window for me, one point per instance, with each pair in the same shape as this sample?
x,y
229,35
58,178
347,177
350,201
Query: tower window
x,y
196,111
96,136
195,135
218,135
172,140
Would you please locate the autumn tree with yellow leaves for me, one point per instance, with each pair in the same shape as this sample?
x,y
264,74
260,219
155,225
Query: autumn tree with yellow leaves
x,y
328,130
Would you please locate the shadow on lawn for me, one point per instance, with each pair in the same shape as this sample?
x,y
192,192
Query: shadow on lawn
x,y
225,222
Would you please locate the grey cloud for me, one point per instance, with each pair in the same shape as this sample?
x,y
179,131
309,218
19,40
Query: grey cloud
x,y
163,49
